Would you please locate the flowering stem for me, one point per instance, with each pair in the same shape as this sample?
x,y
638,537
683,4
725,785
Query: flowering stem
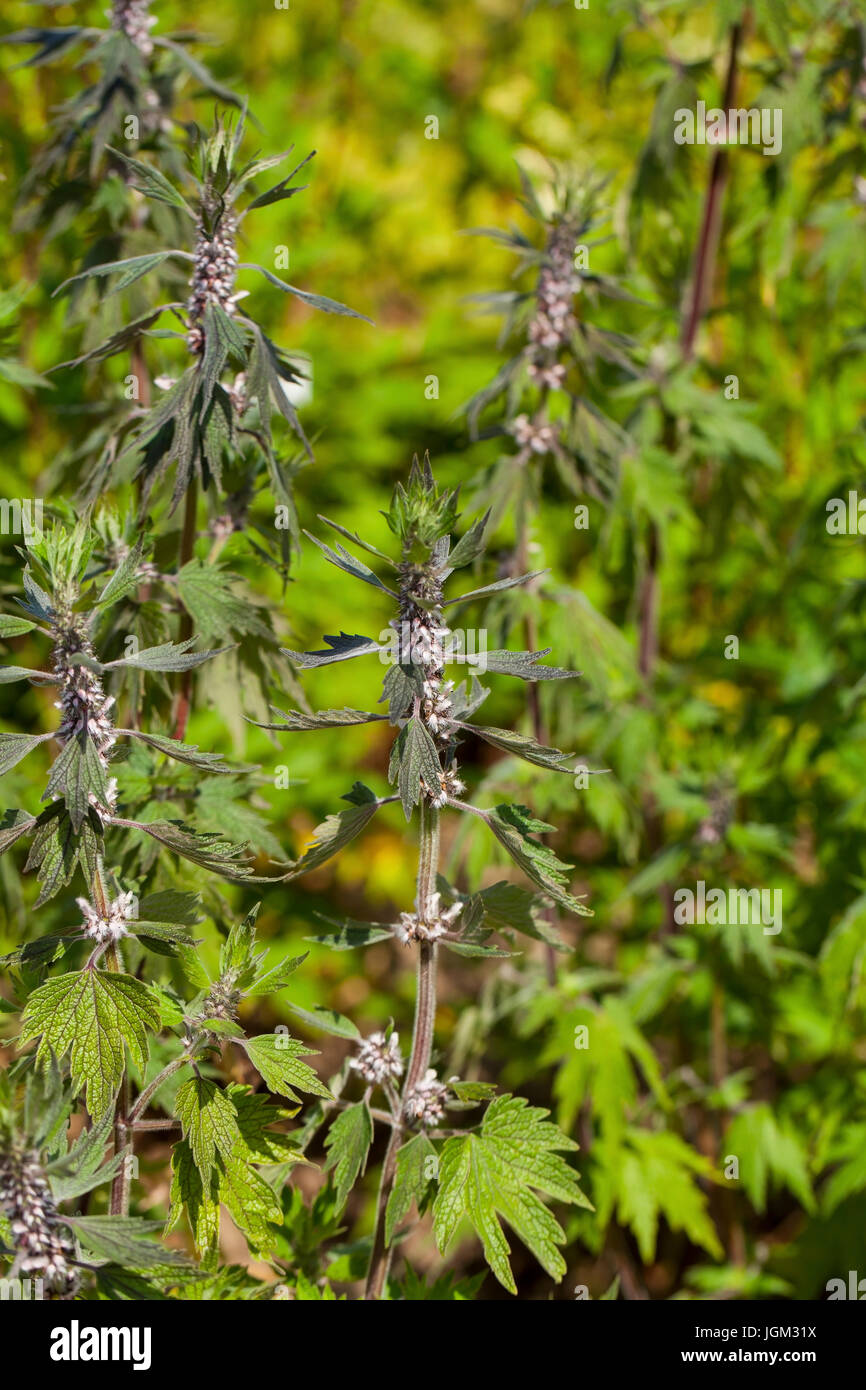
x,y
120,1184
187,545
422,1041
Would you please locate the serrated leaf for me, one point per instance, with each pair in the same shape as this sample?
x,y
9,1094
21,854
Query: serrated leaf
x,y
414,757
331,836
14,747
123,1239
521,746
417,1166
524,665
276,1056
342,647
208,1120
129,270
470,545
167,656
180,752
348,1143
150,181
513,827
92,1014
295,720
495,1173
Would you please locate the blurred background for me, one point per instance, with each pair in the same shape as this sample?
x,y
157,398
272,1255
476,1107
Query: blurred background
x,y
704,1043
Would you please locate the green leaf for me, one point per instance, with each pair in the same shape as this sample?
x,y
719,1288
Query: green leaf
x,y
14,747
330,837
129,270
11,626
148,180
327,1020
524,665
208,1120
92,1014
296,720
495,1173
125,579
348,1143
351,934
123,1239
276,1056
77,775
317,301
342,648
417,1167
513,827
413,757
522,746
470,545
350,565
180,752
167,656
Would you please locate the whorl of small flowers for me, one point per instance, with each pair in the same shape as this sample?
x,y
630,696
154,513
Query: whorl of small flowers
x,y
422,637
378,1059
537,437
134,19
84,706
425,1103
43,1245
433,924
213,276
111,925
553,323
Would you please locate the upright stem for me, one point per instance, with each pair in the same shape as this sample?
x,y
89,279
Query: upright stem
x,y
187,545
533,701
119,1202
422,1043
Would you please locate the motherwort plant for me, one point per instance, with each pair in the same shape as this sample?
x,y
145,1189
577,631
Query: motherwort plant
x,y
222,404
496,1169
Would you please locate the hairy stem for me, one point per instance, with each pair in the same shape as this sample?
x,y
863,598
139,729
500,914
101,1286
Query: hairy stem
x,y
119,1202
422,1043
533,699
150,1090
187,545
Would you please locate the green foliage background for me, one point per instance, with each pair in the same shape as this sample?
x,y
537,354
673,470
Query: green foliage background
x,y
775,737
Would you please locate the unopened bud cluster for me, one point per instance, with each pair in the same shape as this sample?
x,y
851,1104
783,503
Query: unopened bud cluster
x,y
112,924
213,276
379,1059
84,706
425,1103
422,636
222,1000
134,19
430,925
43,1245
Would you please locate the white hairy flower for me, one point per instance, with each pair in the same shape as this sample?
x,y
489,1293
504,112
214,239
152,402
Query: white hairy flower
x,y
425,1103
379,1060
213,276
43,1245
111,925
133,18
433,924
